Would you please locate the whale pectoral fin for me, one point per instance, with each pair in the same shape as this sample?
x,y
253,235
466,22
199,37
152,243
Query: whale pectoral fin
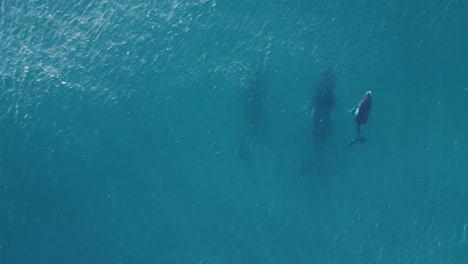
x,y
352,142
350,112
358,139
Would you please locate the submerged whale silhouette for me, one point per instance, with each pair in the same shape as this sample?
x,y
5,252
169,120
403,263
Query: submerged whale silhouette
x,y
254,96
323,104
254,99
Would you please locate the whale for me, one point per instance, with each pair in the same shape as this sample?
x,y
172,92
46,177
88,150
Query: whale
x,y
323,103
361,116
254,97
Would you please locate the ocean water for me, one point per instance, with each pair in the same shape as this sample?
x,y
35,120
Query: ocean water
x,y
126,135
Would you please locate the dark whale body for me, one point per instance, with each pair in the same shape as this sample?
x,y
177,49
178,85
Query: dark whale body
x,y
254,99
361,115
254,96
323,104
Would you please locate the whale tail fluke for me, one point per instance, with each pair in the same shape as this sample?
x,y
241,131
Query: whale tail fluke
x,y
357,139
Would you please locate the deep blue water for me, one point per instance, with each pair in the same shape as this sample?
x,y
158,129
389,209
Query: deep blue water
x,y
178,132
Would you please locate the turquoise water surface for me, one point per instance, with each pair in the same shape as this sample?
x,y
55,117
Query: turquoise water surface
x,y
179,132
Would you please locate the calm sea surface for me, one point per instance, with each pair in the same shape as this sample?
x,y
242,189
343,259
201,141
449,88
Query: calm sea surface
x,y
179,132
